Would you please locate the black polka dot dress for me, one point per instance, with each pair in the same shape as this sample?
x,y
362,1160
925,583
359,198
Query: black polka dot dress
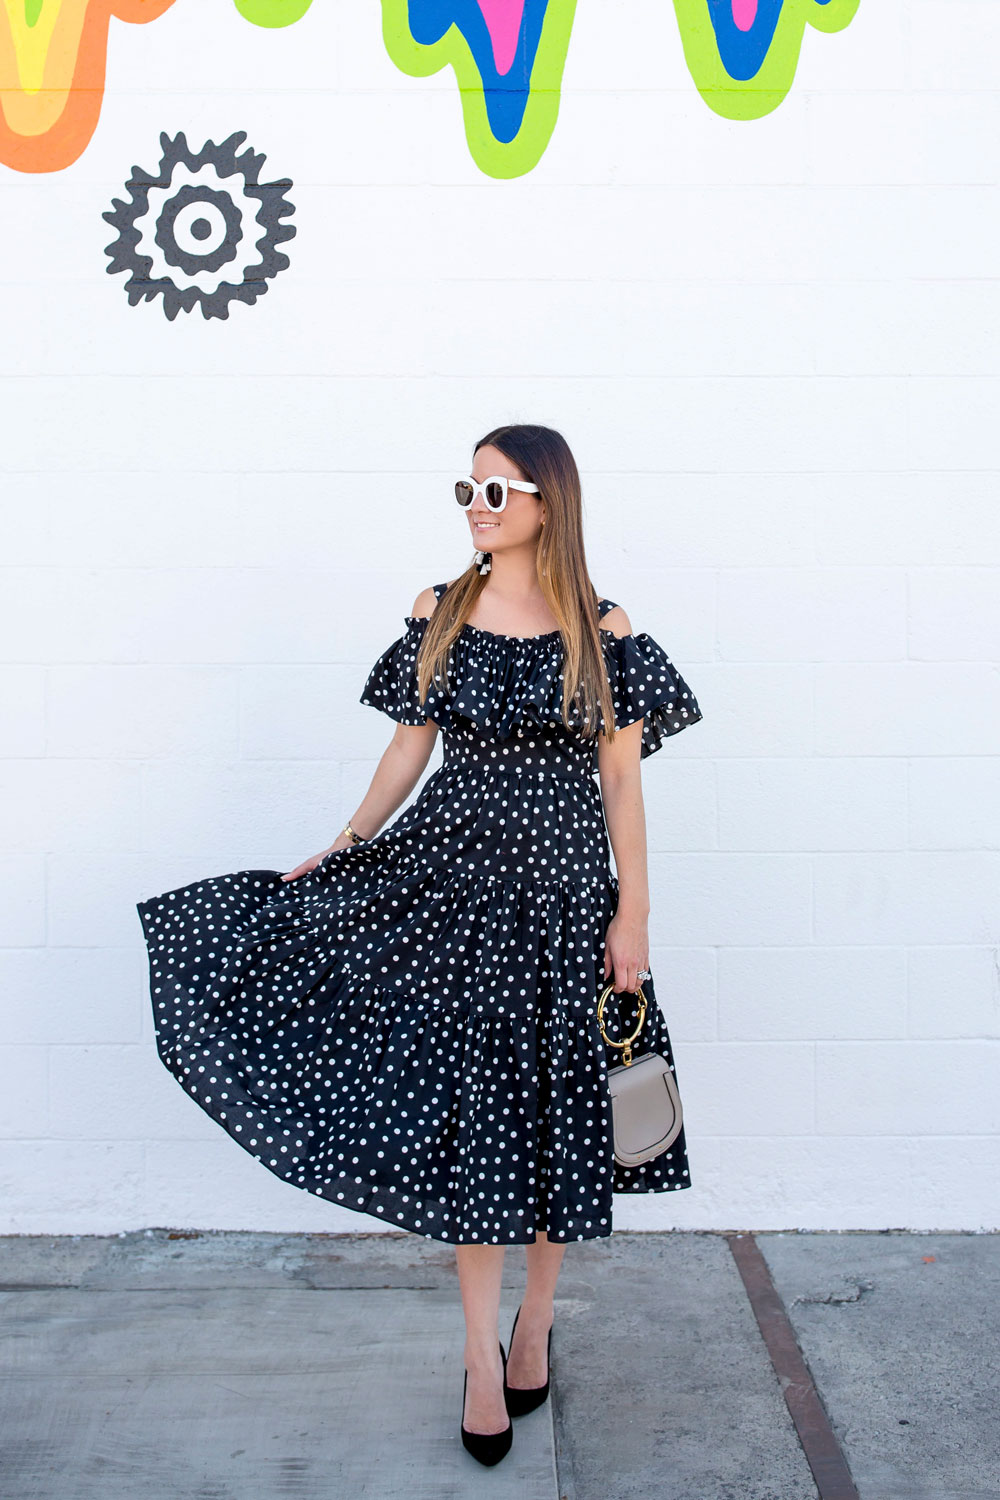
x,y
410,1030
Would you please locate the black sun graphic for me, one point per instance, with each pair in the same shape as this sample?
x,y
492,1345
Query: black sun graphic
x,y
203,232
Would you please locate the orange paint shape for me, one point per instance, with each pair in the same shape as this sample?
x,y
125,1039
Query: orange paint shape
x,y
52,76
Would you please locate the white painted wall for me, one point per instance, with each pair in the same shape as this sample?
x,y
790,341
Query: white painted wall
x,y
774,349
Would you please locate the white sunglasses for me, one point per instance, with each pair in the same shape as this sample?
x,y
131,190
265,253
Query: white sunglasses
x,y
494,490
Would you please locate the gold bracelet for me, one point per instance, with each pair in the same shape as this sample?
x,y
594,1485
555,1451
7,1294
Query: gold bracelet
x,y
353,835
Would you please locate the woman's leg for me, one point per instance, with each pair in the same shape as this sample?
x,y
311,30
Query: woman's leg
x,y
480,1273
527,1356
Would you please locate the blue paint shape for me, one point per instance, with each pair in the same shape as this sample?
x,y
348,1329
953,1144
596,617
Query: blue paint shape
x,y
505,95
743,52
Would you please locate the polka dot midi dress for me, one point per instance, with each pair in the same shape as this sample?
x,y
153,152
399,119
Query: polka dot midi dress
x,y
410,1030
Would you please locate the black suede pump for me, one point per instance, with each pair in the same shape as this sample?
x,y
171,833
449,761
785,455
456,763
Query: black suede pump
x,y
488,1447
520,1401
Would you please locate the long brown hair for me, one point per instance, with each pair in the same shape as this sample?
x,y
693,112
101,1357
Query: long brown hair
x,y
543,457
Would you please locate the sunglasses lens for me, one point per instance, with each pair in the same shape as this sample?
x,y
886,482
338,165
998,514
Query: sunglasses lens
x,y
463,493
494,494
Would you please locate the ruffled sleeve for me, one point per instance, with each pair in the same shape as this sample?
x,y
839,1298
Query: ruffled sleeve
x,y
646,685
392,681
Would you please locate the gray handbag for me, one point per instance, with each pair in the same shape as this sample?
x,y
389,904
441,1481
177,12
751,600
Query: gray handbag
x,y
646,1106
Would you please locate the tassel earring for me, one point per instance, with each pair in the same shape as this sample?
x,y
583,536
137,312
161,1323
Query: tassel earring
x,y
483,561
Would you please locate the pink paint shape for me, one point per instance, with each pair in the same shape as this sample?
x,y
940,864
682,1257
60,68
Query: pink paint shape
x,y
503,22
744,13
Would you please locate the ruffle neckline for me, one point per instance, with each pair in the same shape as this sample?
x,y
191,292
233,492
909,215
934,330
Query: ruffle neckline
x,y
495,635
502,681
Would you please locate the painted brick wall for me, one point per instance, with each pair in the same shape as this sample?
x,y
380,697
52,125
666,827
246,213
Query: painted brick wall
x,y
773,345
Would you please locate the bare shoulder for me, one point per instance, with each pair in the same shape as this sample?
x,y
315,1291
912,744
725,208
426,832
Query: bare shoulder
x,y
425,603
617,620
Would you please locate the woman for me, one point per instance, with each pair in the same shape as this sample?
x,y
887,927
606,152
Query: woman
x,y
406,1022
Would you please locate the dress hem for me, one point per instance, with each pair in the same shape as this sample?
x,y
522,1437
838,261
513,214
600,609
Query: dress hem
x,y
382,1201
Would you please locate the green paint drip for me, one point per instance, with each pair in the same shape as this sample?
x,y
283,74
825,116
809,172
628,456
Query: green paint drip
x,y
492,157
32,10
751,99
272,12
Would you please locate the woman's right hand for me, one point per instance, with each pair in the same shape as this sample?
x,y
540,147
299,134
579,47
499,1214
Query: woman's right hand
x,y
340,842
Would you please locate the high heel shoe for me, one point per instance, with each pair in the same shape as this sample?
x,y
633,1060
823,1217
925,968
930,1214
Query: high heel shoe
x,y
517,1400
488,1447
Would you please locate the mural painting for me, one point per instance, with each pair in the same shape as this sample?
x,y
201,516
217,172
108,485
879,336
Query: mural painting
x,y
507,56
742,54
202,231
53,55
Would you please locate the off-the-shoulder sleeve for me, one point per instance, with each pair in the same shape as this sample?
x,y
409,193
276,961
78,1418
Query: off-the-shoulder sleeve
x,y
392,681
646,685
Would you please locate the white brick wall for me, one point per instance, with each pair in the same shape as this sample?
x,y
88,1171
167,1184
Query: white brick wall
x,y
774,348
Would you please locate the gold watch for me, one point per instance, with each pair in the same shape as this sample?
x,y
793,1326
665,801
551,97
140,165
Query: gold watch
x,y
352,834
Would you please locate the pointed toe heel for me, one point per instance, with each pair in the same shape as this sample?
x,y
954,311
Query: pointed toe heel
x,y
519,1402
488,1447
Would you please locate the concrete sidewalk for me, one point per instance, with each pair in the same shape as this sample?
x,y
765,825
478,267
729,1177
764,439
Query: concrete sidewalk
x,y
223,1366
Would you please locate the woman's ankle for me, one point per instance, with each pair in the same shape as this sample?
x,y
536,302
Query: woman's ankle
x,y
483,1357
536,1310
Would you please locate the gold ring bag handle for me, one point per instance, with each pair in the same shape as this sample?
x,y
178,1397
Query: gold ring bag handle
x,y
645,1104
627,1043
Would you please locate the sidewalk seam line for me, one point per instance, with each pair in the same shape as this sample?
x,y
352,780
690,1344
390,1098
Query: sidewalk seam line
x,y
819,1442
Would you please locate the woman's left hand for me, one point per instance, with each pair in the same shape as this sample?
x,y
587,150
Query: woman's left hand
x,y
626,950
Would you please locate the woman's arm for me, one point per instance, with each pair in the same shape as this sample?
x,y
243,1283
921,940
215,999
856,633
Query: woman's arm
x,y
626,944
403,762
